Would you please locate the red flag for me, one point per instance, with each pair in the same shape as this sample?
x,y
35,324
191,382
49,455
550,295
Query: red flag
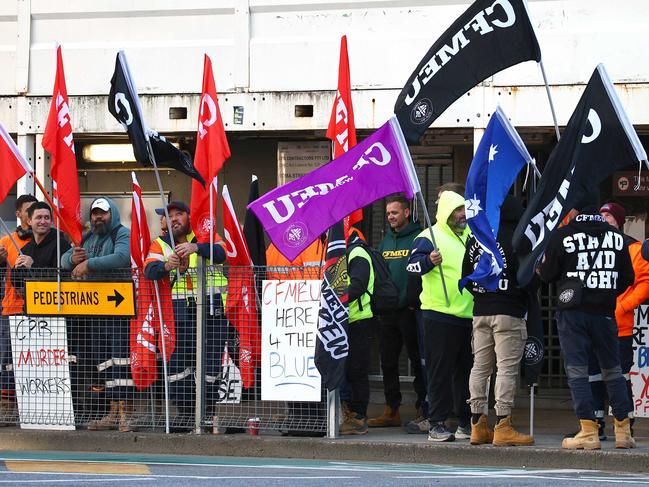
x,y
140,237
145,327
342,130
13,164
241,307
212,150
58,141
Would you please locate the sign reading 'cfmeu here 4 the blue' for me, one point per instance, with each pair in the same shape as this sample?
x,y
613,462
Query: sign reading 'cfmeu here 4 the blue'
x,y
84,298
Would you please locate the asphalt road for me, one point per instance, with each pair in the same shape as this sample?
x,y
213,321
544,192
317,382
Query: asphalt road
x,y
84,469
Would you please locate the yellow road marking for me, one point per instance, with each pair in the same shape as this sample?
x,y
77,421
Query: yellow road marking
x,y
77,467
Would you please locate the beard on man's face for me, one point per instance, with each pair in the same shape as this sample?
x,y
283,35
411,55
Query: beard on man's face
x,y
180,230
99,227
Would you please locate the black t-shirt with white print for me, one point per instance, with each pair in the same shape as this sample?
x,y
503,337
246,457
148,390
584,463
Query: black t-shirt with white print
x,y
593,251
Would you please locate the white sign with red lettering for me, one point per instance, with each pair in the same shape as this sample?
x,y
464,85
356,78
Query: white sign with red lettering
x,y
39,348
289,320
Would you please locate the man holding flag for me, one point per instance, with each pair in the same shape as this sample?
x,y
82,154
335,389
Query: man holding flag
x,y
489,269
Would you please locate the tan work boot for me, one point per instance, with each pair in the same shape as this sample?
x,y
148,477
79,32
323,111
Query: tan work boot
x,y
480,432
345,412
623,438
126,416
506,435
354,425
586,439
108,422
390,417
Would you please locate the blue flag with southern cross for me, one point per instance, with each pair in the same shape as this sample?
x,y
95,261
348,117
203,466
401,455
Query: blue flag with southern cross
x,y
498,160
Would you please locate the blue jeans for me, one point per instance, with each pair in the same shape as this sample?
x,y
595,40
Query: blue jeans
x,y
580,332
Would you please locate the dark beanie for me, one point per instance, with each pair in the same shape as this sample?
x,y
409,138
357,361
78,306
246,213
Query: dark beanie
x,y
618,212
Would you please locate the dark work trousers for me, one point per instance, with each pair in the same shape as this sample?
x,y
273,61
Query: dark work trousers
x,y
6,361
448,362
358,363
182,364
421,334
580,332
217,333
396,330
626,362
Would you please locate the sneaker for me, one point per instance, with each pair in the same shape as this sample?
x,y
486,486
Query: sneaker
x,y
463,432
418,426
439,432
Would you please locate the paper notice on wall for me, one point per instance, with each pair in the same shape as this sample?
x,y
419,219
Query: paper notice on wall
x,y
289,321
39,348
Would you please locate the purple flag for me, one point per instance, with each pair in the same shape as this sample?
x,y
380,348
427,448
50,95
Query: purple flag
x,y
297,213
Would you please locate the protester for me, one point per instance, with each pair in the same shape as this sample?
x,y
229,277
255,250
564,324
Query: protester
x,y
591,265
447,326
499,335
400,327
360,277
182,260
103,345
12,304
40,253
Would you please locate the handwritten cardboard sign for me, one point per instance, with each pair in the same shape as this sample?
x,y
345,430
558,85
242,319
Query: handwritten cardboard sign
x,y
289,317
640,370
39,348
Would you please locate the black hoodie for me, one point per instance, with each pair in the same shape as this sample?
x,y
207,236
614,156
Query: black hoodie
x,y
509,299
595,252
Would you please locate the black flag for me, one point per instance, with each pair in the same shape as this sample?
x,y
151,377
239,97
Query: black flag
x,y
598,140
332,343
124,105
253,232
487,38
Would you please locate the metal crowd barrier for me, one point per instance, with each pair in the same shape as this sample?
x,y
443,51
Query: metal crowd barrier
x,y
89,353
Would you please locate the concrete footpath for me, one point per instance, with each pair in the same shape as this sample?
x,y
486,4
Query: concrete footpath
x,y
392,445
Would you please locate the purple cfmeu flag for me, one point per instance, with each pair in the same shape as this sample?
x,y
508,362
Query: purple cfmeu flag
x,y
297,213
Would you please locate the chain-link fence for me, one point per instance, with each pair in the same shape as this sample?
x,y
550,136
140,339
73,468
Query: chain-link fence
x,y
216,349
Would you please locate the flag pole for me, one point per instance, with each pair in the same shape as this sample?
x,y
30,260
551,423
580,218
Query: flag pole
x,y
414,184
58,258
212,226
11,237
164,355
547,90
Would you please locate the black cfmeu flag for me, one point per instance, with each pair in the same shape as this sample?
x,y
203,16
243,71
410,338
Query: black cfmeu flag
x,y
124,105
487,38
332,343
534,351
598,140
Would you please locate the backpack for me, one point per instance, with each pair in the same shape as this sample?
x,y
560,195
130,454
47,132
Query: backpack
x,y
385,298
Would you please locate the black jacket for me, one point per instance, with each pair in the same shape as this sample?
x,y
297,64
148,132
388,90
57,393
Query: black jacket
x,y
509,299
44,256
590,249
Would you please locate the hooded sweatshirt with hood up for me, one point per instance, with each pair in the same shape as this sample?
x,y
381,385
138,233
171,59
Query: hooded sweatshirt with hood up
x,y
103,255
452,248
593,251
508,299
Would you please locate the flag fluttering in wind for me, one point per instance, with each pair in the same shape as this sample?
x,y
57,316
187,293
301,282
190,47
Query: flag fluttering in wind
x,y
598,140
145,336
487,38
500,156
241,306
58,140
14,165
212,150
332,343
124,105
297,213
341,129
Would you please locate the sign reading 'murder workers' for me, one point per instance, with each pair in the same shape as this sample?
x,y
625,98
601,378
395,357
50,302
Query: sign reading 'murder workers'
x,y
87,298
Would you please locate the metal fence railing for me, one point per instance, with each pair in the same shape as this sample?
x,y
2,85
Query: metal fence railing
x,y
213,349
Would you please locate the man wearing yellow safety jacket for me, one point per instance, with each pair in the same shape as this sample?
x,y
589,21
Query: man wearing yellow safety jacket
x,y
162,261
360,278
447,326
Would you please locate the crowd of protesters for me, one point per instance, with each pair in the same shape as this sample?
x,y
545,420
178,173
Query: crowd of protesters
x,y
457,341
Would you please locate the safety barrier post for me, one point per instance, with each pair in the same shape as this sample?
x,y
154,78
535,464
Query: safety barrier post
x,y
333,413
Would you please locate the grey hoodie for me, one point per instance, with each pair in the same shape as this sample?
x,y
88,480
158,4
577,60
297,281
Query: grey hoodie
x,y
102,254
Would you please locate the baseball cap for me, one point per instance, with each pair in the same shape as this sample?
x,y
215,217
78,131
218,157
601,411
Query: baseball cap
x,y
173,205
101,203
